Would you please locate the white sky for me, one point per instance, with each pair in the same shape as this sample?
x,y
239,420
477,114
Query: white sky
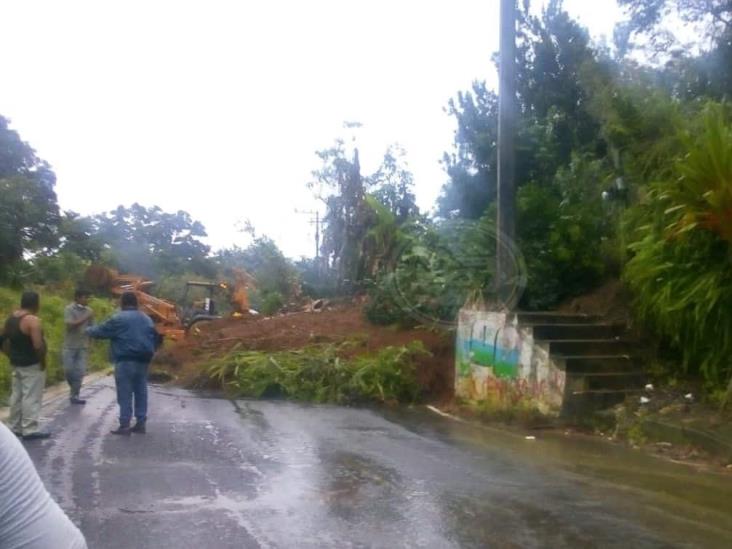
x,y
217,106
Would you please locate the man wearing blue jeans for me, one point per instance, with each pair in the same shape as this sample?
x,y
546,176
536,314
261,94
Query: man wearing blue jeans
x,y
133,338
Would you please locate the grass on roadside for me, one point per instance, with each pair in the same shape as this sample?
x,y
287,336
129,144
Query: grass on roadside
x,y
52,316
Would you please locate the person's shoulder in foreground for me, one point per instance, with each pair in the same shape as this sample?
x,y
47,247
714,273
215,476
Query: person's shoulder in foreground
x,y
29,518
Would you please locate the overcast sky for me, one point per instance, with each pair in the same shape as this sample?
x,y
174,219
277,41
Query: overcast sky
x,y
217,106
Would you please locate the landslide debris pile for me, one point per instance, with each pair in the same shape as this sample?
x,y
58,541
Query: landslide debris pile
x,y
278,354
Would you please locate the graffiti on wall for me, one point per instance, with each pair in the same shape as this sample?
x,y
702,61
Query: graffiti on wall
x,y
489,345
514,391
498,361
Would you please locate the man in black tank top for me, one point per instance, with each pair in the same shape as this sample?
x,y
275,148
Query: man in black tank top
x,y
22,341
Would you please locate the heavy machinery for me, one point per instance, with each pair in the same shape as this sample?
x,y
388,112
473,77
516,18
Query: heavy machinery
x,y
171,320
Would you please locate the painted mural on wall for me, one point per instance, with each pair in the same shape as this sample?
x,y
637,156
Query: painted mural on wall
x,y
498,360
492,345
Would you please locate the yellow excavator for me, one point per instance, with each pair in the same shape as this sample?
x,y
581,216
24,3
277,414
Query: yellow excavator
x,y
171,320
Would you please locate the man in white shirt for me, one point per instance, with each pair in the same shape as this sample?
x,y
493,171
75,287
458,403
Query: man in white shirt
x,y
29,518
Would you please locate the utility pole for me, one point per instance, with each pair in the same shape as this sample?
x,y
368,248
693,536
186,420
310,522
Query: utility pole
x,y
314,221
506,218
317,236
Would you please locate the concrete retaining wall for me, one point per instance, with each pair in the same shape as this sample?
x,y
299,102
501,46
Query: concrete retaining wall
x,y
498,360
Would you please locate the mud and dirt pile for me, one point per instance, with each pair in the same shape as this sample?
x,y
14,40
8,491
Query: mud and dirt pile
x,y
188,360
611,301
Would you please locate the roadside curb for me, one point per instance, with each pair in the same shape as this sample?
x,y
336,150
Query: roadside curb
x,y
660,431
518,433
653,429
54,394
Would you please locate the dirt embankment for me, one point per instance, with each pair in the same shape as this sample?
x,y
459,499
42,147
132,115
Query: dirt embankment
x,y
187,360
612,301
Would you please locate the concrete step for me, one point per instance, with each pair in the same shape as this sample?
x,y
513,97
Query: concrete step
x,y
626,382
555,318
577,331
580,403
599,364
592,347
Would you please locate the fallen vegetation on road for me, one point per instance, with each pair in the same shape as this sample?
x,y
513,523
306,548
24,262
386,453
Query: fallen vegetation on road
x,y
322,373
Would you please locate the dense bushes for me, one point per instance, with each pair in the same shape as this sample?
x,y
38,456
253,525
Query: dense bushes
x,y
437,267
52,315
681,270
561,232
561,229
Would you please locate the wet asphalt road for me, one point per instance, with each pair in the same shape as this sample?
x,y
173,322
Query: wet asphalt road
x,y
212,473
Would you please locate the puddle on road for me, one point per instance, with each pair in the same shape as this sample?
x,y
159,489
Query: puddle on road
x,y
677,498
586,476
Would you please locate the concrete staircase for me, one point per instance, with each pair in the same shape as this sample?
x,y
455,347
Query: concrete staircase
x,y
602,363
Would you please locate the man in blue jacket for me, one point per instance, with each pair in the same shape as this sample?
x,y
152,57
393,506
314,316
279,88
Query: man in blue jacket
x,y
133,338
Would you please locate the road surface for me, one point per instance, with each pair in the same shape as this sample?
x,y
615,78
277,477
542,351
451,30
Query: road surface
x,y
212,473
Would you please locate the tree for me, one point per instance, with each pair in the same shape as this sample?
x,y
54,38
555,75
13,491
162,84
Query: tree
x,y
471,166
692,70
29,215
555,58
648,16
344,220
78,236
394,185
340,184
555,121
563,151
152,242
277,280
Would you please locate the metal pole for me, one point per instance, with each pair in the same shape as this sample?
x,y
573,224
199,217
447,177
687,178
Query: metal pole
x,y
317,237
315,222
506,222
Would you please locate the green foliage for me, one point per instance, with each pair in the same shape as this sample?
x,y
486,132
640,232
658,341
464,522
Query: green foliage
x,y
680,270
383,240
78,236
268,302
52,316
392,185
277,279
341,186
701,68
563,167
317,280
64,269
348,238
28,218
439,267
149,241
29,215
560,230
471,166
320,374
650,16
555,122
554,53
